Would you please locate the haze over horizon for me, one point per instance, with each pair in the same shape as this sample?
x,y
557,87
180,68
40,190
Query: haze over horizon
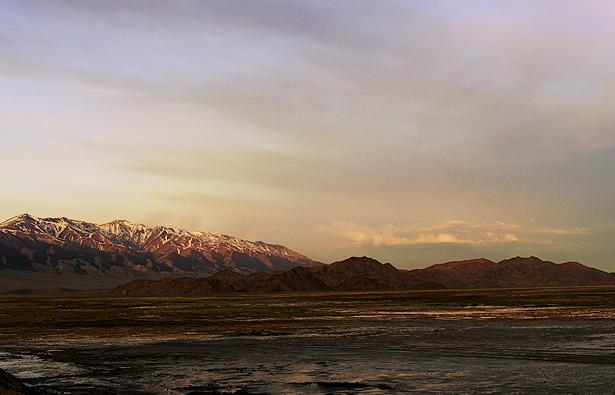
x,y
413,132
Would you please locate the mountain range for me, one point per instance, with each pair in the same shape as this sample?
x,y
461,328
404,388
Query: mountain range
x,y
133,259
34,248
366,274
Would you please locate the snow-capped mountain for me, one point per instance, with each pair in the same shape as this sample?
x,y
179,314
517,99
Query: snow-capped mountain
x,y
63,245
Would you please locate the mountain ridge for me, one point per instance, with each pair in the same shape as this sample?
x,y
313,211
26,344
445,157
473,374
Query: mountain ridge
x,y
366,274
120,248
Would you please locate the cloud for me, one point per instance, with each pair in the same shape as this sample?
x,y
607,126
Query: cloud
x,y
284,115
447,232
573,231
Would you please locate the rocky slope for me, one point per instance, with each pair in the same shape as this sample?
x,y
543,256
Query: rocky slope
x,y
366,274
120,249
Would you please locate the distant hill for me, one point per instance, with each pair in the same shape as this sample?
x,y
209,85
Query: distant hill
x,y
366,274
516,272
62,252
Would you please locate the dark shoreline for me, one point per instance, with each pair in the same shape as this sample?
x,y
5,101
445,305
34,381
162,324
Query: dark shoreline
x,y
11,385
109,294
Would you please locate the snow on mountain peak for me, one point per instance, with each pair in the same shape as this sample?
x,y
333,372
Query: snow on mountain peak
x,y
122,235
120,246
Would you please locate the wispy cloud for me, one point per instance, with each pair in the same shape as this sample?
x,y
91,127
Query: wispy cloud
x,y
448,232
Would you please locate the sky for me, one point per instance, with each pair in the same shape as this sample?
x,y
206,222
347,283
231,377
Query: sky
x,y
415,132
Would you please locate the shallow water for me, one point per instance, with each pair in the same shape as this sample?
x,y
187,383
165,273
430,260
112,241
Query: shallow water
x,y
423,355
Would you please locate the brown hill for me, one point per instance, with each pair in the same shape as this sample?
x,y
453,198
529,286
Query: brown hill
x,y
534,272
353,274
366,274
516,272
456,274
